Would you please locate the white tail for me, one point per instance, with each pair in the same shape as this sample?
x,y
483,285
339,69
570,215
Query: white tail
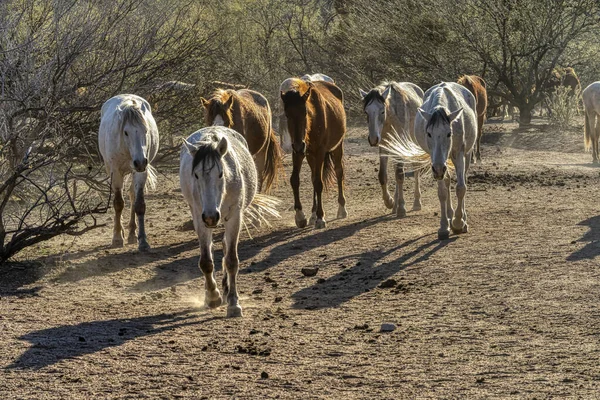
x,y
152,178
262,209
404,150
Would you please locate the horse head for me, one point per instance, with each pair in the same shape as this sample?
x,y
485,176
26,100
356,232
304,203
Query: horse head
x,y
209,173
440,125
218,109
294,105
374,105
135,134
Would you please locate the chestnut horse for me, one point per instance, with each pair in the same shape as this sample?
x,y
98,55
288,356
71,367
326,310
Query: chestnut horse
x,y
317,125
248,112
476,85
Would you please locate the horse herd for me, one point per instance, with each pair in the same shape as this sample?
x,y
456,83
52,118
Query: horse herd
x,y
224,166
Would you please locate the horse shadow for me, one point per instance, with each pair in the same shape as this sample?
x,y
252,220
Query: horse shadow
x,y
52,345
363,277
592,248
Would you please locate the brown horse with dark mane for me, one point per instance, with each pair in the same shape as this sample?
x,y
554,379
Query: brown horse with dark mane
x,y
476,85
317,125
248,112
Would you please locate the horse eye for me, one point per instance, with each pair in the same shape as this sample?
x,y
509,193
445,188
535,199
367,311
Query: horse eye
x,y
220,175
126,134
449,133
196,175
428,134
382,112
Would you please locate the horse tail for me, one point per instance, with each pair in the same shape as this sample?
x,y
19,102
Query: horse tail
x,y
406,152
328,171
587,135
152,178
262,209
273,163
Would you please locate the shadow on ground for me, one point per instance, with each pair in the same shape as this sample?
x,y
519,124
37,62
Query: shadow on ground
x,y
592,238
50,346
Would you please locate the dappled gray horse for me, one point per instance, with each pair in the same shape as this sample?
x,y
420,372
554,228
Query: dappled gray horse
x,y
591,129
393,106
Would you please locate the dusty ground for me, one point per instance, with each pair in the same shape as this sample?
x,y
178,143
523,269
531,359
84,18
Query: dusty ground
x,y
508,310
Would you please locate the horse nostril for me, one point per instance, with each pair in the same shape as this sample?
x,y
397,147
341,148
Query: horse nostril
x,y
145,162
203,217
444,169
135,163
217,216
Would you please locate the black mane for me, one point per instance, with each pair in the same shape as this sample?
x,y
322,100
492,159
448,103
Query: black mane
x,y
207,153
372,95
439,116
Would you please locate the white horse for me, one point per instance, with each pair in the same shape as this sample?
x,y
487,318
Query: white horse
x,y
219,182
286,139
128,141
591,105
393,106
445,128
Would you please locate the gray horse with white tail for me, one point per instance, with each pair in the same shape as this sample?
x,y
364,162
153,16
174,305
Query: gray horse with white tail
x,y
445,129
219,182
392,106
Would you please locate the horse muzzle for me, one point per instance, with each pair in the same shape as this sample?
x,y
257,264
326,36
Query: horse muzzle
x,y
439,172
140,166
211,219
374,142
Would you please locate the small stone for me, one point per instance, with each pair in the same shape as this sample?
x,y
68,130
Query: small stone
x,y
82,339
257,291
309,271
187,226
573,241
278,299
168,219
264,375
387,327
389,283
320,280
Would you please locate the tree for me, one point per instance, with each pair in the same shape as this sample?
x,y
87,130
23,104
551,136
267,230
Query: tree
x,y
521,42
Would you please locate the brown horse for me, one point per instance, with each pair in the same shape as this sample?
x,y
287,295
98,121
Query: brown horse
x,y
248,112
317,125
476,85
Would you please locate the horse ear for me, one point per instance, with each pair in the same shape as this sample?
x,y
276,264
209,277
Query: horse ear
x,y
424,114
205,102
455,114
223,146
190,147
228,103
363,94
386,93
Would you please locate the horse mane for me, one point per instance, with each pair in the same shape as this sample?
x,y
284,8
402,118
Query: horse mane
x,y
131,112
207,153
439,116
217,101
377,93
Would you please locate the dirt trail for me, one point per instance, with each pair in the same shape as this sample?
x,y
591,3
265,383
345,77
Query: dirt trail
x,y
508,310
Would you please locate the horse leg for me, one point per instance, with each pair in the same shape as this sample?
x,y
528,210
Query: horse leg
x,y
383,164
224,281
417,203
131,238
317,164
476,155
118,204
338,162
595,130
230,265
139,181
212,297
459,223
400,205
297,159
313,215
444,231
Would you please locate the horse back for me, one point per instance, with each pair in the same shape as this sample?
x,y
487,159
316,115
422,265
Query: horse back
x,y
476,85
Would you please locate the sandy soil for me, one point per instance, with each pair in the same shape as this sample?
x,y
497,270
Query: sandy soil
x,y
508,310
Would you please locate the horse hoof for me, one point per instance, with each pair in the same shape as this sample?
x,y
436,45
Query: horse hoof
x,y
443,235
401,213
131,239
214,303
417,206
595,162
312,218
143,246
301,223
342,213
320,224
234,311
389,203
117,243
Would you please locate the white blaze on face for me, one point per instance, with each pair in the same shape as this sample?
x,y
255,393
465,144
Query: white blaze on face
x,y
439,140
375,111
136,140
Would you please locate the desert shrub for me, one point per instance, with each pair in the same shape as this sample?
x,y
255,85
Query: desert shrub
x,y
563,106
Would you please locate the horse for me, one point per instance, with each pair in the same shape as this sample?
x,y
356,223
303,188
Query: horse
x,y
591,109
286,140
219,182
477,86
445,128
128,141
316,122
248,112
393,106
